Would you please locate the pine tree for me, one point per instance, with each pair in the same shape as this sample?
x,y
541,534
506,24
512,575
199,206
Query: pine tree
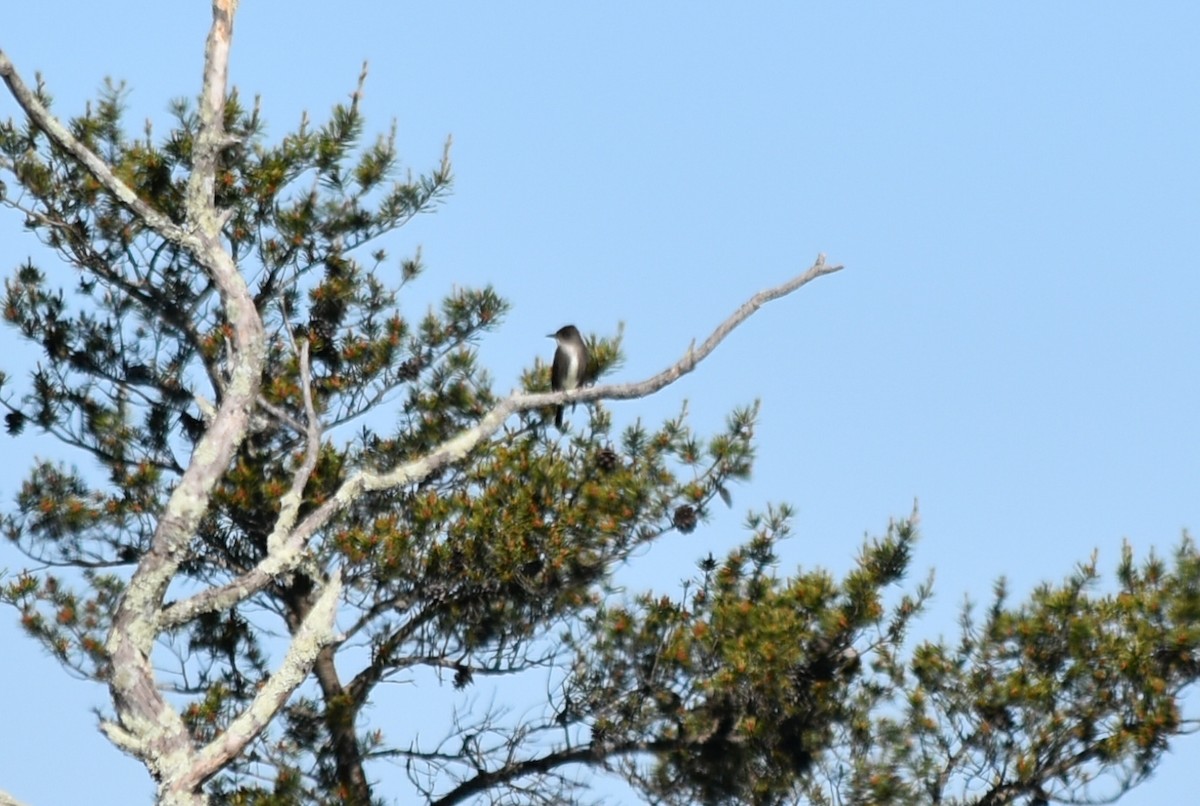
x,y
226,359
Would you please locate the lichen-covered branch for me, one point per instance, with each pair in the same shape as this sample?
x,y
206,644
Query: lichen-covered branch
x,y
315,633
146,724
62,137
288,552
289,505
204,223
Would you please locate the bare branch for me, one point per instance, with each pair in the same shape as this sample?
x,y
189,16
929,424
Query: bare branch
x,y
693,356
146,724
8,800
123,739
211,137
315,633
288,557
282,557
519,768
289,506
63,138
282,415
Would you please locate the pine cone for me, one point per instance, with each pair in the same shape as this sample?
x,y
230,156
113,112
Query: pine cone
x,y
410,369
607,460
685,518
463,676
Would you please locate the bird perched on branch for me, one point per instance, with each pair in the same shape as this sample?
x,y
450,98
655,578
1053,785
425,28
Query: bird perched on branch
x,y
570,366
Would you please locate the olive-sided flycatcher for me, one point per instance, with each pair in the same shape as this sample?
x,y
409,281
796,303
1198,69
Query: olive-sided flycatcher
x,y
570,366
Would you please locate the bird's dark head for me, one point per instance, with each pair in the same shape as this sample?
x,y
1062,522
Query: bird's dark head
x,y
565,333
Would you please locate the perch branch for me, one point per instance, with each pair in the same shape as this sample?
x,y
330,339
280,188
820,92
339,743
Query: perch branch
x,y
291,548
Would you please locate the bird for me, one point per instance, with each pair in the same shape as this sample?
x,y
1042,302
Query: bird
x,y
570,366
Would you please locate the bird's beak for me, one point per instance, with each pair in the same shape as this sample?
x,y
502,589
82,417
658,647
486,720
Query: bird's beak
x,y
549,335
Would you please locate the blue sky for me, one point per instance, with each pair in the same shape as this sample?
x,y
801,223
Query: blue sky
x,y
1013,190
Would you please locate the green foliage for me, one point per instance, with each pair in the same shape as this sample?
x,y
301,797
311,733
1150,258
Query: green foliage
x,y
469,568
744,680
745,686
1074,691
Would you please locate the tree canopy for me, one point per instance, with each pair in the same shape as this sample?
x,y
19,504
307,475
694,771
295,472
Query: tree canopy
x,y
292,490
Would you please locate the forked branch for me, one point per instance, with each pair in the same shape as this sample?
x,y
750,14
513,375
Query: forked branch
x,y
290,550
